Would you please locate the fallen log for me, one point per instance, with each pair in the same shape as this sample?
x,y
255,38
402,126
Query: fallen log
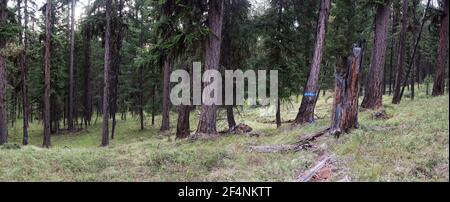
x,y
278,148
306,177
311,137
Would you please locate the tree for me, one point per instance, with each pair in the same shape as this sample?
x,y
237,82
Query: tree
x,y
207,121
306,111
3,83
71,125
24,72
413,60
47,58
106,82
374,89
87,96
439,82
401,54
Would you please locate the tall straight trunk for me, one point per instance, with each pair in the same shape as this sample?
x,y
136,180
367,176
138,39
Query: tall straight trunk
x,y
24,71
87,98
3,82
71,125
116,39
105,105
25,101
401,54
413,62
278,55
439,83
393,50
165,125
207,121
373,98
306,111
48,28
141,74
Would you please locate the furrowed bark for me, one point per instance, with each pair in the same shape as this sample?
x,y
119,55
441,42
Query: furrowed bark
x,y
306,111
374,88
207,120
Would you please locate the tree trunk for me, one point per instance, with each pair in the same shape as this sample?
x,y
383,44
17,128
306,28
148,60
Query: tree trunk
x,y
165,125
278,113
71,125
374,88
23,38
306,111
230,118
401,55
207,121
48,22
183,125
393,49
345,106
3,81
87,98
439,81
105,126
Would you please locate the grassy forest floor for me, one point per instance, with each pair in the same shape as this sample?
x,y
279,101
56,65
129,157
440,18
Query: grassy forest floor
x,y
412,144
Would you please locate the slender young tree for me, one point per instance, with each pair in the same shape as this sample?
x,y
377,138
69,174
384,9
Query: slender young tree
x,y
401,54
413,59
3,124
306,111
87,34
23,63
71,125
207,121
47,57
439,81
374,87
105,127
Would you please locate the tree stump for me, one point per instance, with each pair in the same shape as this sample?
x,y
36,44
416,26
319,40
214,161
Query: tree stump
x,y
345,107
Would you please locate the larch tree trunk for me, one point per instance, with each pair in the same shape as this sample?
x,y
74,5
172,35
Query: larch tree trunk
x,y
374,87
105,105
207,121
3,82
71,125
345,107
306,111
48,28
439,81
165,124
401,54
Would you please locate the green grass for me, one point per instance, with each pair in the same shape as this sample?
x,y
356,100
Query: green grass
x,y
413,145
